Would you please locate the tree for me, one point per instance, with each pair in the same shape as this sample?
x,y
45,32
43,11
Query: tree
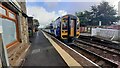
x,y
84,17
102,12
36,24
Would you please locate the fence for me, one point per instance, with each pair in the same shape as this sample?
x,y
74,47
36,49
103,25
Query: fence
x,y
111,34
85,29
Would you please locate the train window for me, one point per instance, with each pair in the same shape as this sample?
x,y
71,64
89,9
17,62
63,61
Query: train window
x,y
64,25
78,25
58,24
51,26
72,22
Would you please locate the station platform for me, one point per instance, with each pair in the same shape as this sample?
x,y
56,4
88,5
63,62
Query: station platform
x,y
43,53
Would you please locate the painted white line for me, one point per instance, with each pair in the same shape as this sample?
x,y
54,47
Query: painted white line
x,y
67,58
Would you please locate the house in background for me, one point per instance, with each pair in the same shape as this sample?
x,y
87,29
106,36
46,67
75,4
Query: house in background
x,y
32,26
15,30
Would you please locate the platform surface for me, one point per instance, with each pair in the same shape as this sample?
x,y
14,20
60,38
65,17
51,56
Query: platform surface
x,y
42,53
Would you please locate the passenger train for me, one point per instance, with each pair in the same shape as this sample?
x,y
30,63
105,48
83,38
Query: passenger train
x,y
66,27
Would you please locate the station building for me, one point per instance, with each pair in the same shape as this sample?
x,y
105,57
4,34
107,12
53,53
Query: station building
x,y
14,25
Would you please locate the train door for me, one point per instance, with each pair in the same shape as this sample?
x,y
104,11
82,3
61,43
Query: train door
x,y
64,28
72,26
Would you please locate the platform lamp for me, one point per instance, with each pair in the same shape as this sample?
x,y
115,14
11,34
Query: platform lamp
x,y
3,54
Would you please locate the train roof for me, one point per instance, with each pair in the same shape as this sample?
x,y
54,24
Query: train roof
x,y
69,15
66,15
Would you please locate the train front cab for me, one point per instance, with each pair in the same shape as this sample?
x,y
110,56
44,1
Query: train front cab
x,y
70,28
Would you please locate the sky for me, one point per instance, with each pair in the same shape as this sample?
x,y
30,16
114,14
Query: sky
x,y
47,10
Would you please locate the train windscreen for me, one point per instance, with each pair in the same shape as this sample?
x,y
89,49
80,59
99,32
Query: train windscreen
x,y
78,25
65,24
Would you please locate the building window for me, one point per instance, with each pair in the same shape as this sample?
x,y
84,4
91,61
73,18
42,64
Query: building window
x,y
2,11
11,15
9,28
9,31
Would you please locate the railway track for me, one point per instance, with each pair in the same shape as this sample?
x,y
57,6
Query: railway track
x,y
98,55
105,45
110,55
103,63
100,42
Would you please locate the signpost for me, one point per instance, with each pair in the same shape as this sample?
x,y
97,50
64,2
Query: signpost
x,y
3,54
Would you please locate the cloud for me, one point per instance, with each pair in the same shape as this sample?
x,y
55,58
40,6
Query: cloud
x,y
64,0
51,4
114,3
43,15
52,0
62,12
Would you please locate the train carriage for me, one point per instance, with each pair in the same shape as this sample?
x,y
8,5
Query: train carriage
x,y
66,27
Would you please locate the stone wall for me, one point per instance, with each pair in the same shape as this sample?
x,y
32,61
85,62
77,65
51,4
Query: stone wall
x,y
23,6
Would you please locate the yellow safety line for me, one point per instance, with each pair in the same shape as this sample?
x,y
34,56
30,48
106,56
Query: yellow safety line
x,y
67,58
